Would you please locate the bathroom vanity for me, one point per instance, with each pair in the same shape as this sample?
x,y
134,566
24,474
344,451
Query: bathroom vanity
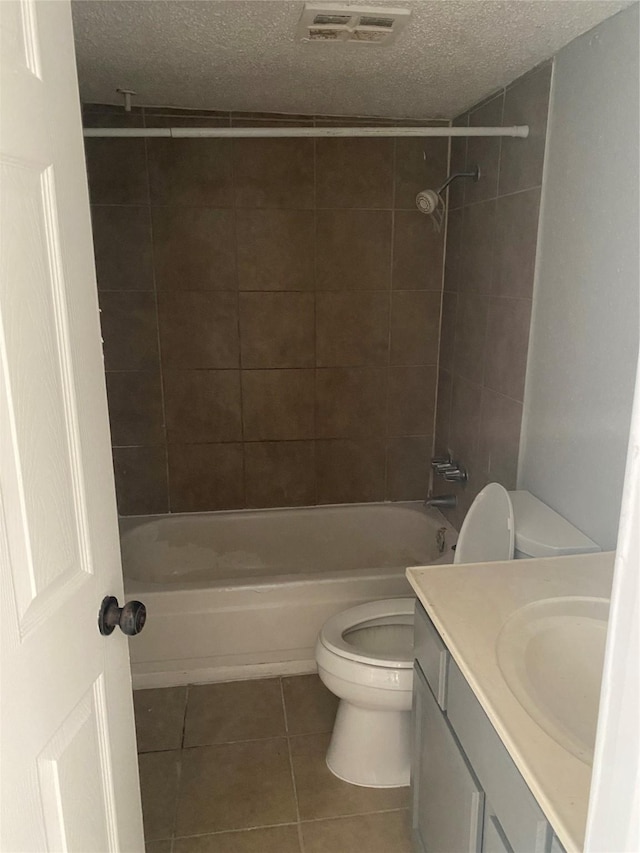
x,y
508,661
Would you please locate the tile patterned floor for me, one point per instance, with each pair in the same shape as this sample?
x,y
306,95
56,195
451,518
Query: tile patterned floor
x,y
240,768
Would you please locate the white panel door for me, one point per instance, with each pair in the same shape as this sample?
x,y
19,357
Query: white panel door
x,y
69,769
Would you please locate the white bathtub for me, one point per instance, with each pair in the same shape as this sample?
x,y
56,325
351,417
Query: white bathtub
x,y
243,594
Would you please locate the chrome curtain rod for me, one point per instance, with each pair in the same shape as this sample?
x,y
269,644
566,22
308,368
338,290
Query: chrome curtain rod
x,y
259,132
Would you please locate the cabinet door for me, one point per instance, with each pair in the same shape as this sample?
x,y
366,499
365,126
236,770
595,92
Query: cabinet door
x,y
447,801
493,838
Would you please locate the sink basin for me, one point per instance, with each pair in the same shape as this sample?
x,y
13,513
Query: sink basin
x,y
551,654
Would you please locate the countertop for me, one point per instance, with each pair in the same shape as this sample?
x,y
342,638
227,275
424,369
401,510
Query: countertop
x,y
469,604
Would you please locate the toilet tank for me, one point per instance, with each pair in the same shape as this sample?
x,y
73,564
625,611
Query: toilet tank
x,y
542,532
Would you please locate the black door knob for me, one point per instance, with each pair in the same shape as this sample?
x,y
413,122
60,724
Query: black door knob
x,y
130,618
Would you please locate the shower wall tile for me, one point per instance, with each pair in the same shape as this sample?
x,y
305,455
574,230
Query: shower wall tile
x,y
458,163
453,254
484,151
415,318
412,392
129,325
466,400
277,330
274,173
526,102
470,336
353,250
350,471
499,444
194,248
117,171
280,473
198,330
420,163
277,405
443,413
129,229
351,402
352,329
476,249
141,480
108,115
417,252
190,172
271,313
276,249
205,477
408,467
354,173
515,244
448,329
202,406
507,343
135,408
492,235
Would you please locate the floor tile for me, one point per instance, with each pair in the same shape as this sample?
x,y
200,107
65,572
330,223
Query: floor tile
x,y
386,832
159,718
321,794
235,786
310,707
158,846
273,839
159,773
237,710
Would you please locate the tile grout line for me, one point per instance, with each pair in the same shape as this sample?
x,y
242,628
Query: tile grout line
x,y
179,782
293,777
315,326
165,443
385,486
232,160
287,823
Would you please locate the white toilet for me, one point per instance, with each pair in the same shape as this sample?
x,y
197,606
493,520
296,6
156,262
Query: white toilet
x,y
365,654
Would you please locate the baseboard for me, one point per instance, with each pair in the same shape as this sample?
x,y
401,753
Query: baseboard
x,y
209,675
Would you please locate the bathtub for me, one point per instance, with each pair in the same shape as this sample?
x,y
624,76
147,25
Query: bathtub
x,y
243,594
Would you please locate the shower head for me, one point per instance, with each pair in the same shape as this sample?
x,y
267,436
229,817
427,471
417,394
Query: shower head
x,y
428,201
432,202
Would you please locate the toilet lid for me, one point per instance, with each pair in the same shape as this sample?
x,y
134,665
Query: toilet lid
x,y
487,532
379,633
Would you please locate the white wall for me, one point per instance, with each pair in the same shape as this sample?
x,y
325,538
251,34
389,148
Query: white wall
x,y
584,333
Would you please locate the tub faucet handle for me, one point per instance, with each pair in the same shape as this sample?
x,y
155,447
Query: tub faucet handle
x,y
440,461
455,474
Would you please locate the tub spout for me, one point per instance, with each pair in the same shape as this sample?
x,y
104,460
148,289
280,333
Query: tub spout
x,y
441,502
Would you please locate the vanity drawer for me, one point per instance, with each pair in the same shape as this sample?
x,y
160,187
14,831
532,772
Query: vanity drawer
x,y
431,654
521,818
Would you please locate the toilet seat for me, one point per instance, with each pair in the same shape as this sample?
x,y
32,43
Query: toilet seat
x,y
488,530
358,633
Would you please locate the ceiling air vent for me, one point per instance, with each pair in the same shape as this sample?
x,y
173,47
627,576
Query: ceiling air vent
x,y
364,24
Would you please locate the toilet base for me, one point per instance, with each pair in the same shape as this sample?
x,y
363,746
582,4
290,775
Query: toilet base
x,y
371,748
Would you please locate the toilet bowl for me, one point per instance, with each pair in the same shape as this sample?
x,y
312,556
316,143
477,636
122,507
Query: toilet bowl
x,y
365,654
365,657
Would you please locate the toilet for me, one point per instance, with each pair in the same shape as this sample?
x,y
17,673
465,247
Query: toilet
x,y
365,654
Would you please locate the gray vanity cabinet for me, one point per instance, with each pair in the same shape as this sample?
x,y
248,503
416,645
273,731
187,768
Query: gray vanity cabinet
x,y
447,799
467,794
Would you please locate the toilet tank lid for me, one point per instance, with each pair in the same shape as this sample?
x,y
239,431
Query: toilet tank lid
x,y
542,532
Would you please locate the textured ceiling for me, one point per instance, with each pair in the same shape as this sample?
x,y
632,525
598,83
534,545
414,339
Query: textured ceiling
x,y
244,55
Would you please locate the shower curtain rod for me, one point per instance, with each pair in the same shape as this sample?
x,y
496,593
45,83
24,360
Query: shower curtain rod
x,y
255,132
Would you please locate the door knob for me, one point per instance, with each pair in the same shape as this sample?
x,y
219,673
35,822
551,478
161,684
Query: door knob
x,y
130,618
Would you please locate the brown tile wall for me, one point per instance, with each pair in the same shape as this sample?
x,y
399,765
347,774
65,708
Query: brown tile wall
x,y
486,309
270,313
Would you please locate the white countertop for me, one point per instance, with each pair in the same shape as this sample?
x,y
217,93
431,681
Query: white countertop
x,y
469,604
